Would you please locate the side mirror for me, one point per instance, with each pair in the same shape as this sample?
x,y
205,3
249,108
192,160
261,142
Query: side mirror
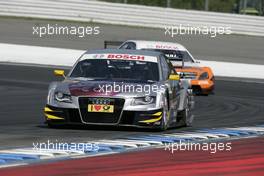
x,y
59,73
181,75
174,77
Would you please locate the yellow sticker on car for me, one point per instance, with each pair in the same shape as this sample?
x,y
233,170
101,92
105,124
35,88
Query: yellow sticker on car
x,y
100,108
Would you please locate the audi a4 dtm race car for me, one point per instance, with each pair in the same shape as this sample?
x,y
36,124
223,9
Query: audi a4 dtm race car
x,y
120,88
201,78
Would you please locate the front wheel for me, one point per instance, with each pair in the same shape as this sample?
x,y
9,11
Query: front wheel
x,y
165,115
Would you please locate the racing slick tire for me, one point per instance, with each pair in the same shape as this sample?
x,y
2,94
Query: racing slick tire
x,y
185,116
165,114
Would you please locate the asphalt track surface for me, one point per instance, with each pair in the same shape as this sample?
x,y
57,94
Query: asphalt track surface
x,y
230,48
23,89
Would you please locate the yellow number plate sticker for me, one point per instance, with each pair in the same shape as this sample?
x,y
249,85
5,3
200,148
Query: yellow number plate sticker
x,y
100,108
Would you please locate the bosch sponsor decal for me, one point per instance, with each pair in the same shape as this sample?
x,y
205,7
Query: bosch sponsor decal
x,y
125,56
120,57
166,47
161,46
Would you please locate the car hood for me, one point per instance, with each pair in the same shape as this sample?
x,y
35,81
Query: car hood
x,y
107,88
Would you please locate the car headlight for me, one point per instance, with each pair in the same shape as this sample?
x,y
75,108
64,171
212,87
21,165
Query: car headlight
x,y
144,100
204,76
62,97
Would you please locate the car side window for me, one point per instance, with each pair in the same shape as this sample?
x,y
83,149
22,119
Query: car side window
x,y
165,68
128,45
172,70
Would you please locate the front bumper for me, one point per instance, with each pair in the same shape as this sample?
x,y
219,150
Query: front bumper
x,y
73,116
202,86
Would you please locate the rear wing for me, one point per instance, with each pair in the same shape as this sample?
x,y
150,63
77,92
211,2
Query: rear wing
x,y
109,43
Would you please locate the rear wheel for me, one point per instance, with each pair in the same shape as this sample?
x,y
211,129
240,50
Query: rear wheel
x,y
185,116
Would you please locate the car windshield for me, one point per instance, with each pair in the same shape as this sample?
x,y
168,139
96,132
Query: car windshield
x,y
116,70
175,55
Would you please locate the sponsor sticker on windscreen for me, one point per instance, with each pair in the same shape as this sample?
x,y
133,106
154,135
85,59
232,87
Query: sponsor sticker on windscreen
x,y
111,56
100,108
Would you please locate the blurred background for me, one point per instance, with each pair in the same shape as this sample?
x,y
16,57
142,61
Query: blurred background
x,y
249,7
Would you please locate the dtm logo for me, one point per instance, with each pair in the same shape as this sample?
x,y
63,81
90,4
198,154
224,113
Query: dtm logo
x,y
125,56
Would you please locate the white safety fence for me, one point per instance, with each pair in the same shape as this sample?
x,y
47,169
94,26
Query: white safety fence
x,y
67,57
135,15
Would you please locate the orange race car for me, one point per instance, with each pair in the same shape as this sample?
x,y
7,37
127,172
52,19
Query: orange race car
x,y
201,77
